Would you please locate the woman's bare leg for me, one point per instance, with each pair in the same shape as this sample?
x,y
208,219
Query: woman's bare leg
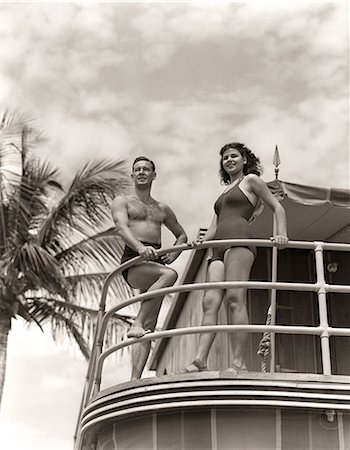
x,y
211,304
238,264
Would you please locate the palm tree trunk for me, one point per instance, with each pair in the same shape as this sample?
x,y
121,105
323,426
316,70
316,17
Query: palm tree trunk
x,y
5,326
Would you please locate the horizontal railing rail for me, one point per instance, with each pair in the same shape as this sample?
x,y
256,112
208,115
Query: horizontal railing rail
x,y
320,287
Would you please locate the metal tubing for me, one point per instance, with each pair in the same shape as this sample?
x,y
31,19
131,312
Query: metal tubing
x,y
273,301
186,288
320,287
203,286
339,331
204,329
322,304
206,244
90,372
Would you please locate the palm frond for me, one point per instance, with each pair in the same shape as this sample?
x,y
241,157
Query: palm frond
x,y
62,321
29,203
18,132
14,119
40,269
102,250
124,318
10,168
41,176
49,236
78,322
22,179
86,289
86,203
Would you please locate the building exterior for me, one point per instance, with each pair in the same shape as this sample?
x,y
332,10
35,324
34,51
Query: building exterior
x,y
296,398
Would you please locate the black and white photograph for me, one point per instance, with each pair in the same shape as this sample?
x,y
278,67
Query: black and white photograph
x,y
174,225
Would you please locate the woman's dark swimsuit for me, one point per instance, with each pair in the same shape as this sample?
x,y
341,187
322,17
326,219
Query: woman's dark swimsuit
x,y
233,210
130,253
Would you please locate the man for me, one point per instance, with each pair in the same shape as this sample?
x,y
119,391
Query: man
x,y
138,218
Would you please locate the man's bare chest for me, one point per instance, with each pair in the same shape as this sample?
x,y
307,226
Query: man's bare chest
x,y
141,211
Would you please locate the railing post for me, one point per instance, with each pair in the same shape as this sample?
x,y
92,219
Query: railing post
x,y
322,305
273,301
97,378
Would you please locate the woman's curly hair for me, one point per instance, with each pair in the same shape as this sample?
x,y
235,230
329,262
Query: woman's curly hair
x,y
252,166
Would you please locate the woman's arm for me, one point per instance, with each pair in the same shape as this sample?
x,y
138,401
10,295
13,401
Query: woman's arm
x,y
210,233
260,189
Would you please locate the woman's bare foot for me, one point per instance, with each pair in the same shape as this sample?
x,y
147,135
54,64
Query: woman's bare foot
x,y
237,369
196,366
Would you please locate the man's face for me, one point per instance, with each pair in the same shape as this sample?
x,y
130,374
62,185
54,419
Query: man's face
x,y
142,173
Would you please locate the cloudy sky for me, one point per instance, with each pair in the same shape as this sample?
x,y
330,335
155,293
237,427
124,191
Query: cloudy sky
x,y
174,81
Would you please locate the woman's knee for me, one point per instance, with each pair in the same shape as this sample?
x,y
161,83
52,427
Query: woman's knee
x,y
236,300
211,302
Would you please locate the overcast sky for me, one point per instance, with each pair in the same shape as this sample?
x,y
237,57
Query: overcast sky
x,y
174,81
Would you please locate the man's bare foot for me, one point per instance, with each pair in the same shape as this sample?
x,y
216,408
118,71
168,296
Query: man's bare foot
x,y
136,331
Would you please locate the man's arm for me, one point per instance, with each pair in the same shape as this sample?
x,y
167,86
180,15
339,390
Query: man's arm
x,y
174,226
121,220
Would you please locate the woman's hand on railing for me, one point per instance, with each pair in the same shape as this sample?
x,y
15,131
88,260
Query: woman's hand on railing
x,y
168,258
280,241
195,243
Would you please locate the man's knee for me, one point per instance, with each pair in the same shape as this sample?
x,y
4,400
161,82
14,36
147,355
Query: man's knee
x,y
169,276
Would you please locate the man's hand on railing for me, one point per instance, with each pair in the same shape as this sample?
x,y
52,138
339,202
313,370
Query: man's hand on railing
x,y
149,253
280,241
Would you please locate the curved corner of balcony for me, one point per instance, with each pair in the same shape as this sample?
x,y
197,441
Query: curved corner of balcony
x,y
222,393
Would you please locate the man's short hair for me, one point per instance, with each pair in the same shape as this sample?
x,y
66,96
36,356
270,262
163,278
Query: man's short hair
x,y
144,158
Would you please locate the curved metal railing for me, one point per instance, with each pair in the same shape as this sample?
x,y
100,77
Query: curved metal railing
x,y
98,356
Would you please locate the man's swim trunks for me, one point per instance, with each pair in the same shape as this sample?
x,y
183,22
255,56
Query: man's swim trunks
x,y
233,210
130,253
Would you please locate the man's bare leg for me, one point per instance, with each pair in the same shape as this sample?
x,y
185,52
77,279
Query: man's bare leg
x,y
147,277
141,351
148,309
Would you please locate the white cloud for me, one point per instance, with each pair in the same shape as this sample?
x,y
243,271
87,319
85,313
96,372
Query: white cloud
x,y
88,139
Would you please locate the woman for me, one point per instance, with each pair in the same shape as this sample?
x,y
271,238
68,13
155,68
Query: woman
x,y
240,170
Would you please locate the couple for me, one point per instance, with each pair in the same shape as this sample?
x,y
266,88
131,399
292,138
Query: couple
x,y
138,218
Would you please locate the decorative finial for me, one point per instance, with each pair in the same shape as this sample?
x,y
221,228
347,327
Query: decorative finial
x,y
276,162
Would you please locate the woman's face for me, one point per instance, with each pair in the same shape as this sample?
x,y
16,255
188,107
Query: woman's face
x,y
232,161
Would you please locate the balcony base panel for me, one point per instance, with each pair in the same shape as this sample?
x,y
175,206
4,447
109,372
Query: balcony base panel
x,y
221,411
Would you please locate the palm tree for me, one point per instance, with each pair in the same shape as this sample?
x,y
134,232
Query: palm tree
x,y
56,244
